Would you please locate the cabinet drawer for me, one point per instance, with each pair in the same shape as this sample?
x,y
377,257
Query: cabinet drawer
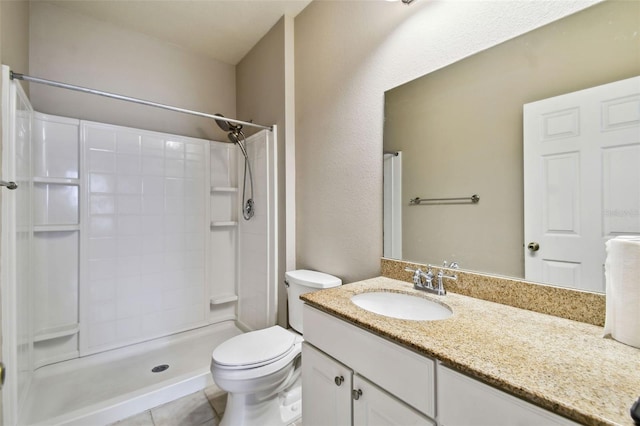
x,y
401,372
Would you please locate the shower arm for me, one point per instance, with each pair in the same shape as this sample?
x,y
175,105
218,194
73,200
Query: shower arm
x,y
24,77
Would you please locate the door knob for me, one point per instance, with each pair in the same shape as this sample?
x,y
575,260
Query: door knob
x,y
533,246
338,380
356,394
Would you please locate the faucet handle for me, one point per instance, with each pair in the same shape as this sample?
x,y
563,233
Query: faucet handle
x,y
452,265
417,275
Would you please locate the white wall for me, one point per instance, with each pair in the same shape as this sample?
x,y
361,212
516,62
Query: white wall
x,y
69,47
347,53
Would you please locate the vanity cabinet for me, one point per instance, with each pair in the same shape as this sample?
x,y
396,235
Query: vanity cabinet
x,y
351,376
463,401
334,395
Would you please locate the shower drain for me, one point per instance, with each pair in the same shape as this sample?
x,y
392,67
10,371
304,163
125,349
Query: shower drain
x,y
159,368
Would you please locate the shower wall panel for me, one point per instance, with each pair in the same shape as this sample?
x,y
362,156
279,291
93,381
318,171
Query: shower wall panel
x,y
56,245
257,275
224,231
24,236
144,270
17,235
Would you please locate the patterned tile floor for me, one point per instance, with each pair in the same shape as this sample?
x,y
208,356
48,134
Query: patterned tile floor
x,y
202,408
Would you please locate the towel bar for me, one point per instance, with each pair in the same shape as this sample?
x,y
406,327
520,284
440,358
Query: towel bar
x,y
474,199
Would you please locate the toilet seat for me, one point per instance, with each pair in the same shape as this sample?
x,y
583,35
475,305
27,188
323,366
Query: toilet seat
x,y
256,354
254,349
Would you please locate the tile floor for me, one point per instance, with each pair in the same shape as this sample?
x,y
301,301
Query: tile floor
x,y
202,408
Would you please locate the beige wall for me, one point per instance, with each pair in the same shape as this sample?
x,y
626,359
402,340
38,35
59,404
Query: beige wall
x,y
343,68
72,48
460,131
261,97
14,29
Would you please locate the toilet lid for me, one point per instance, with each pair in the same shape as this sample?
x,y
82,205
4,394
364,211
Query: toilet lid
x,y
254,348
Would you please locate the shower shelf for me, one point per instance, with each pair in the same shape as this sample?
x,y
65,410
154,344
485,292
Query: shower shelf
x,y
57,181
223,298
223,224
224,189
54,333
53,228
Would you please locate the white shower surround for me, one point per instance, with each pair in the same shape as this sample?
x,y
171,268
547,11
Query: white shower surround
x,y
17,334
144,213
103,279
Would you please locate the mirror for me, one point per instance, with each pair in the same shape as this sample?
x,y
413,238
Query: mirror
x,y
459,131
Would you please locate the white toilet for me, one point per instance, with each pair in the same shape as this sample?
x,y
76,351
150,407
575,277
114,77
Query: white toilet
x,y
260,370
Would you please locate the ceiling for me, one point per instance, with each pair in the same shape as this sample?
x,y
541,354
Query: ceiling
x,y
221,29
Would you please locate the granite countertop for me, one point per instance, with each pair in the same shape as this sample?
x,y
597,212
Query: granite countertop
x,y
564,366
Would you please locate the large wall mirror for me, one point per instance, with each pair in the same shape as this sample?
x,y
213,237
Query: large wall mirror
x,y
459,132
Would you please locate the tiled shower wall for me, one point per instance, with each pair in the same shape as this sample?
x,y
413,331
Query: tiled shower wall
x,y
125,237
146,233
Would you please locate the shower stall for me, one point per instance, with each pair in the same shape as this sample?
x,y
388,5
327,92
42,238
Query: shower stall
x,y
127,256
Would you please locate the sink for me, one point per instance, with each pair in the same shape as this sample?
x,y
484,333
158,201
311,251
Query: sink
x,y
401,306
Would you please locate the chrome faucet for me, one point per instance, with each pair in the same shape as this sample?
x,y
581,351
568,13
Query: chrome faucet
x,y
424,280
419,275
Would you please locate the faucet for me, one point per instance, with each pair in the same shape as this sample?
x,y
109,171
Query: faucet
x,y
418,275
427,285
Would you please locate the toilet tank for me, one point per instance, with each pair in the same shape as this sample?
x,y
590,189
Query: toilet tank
x,y
304,281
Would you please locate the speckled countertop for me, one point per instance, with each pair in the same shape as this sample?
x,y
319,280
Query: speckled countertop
x,y
562,365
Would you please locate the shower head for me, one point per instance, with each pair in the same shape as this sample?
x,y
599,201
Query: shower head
x,y
234,136
223,124
226,126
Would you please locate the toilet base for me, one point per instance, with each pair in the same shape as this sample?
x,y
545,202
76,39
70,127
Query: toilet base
x,y
247,409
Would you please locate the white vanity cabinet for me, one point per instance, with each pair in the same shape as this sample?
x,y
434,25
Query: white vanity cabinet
x,y
465,401
351,376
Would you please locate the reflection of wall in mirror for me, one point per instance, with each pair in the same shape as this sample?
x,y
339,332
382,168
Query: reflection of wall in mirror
x,y
461,131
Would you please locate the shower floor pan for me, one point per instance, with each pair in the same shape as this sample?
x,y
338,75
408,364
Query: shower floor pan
x,y
110,386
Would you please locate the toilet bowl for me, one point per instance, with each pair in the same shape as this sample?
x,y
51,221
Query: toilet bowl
x,y
260,370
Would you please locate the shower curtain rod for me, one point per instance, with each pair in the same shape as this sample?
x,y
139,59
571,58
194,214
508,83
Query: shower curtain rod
x,y
17,76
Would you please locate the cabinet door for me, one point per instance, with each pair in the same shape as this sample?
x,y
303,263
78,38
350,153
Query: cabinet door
x,y
326,389
464,401
372,406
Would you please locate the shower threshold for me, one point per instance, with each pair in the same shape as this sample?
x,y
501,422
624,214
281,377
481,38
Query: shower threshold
x,y
106,387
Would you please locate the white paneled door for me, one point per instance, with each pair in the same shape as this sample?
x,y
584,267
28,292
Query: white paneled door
x,y
581,181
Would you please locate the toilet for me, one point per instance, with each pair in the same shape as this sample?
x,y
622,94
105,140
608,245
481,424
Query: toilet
x,y
260,370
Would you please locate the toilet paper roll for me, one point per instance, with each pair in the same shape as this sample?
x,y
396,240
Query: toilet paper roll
x,y
622,275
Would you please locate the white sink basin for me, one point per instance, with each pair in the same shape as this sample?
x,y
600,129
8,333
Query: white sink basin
x,y
401,306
